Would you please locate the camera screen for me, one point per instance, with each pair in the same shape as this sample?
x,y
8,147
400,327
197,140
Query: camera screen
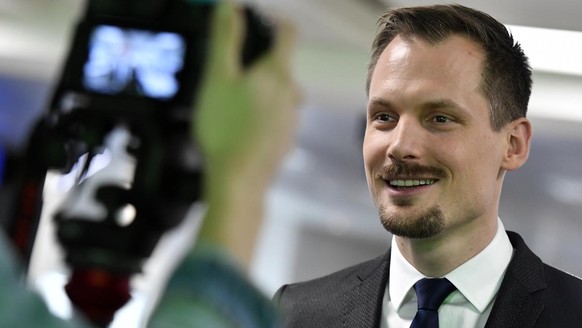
x,y
127,61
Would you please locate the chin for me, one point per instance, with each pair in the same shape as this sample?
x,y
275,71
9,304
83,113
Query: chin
x,y
423,225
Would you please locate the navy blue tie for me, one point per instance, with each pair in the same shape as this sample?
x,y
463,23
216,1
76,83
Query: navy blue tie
x,y
430,293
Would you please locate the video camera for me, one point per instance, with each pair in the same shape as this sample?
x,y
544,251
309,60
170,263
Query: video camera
x,y
127,89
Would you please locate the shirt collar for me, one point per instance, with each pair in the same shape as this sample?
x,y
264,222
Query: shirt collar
x,y
403,276
478,285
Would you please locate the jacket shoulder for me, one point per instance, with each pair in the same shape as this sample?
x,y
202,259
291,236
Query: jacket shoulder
x,y
319,302
564,287
545,295
333,283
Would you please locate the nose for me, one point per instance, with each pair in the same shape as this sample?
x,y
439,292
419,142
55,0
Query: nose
x,y
405,140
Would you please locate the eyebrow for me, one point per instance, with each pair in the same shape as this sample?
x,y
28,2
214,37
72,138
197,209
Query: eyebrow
x,y
441,103
380,102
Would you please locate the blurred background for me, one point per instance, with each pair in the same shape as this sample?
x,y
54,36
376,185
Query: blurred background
x,y
319,216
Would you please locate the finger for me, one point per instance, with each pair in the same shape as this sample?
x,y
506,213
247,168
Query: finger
x,y
285,40
227,30
283,55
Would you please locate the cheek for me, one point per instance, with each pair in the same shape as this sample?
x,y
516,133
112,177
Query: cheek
x,y
488,155
373,151
480,167
373,156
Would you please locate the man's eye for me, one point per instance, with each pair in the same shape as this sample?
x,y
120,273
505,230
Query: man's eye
x,y
441,119
384,118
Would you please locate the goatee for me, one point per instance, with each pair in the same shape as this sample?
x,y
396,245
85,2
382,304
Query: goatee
x,y
421,226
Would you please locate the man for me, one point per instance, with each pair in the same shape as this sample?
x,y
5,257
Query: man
x,y
447,98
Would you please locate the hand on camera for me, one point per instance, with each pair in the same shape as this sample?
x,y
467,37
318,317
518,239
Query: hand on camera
x,y
244,122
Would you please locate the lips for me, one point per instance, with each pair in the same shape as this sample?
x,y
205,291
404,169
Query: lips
x,y
405,178
410,182
408,186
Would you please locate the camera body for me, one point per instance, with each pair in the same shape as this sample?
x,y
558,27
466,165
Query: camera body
x,y
136,65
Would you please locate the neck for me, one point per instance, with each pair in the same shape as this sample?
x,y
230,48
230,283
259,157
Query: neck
x,y
441,254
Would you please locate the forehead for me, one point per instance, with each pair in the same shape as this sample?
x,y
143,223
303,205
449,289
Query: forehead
x,y
451,66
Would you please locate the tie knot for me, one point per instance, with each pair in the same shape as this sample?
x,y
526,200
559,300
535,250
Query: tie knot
x,y
432,292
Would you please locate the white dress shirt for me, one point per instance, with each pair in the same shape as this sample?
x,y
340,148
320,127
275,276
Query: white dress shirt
x,y
477,282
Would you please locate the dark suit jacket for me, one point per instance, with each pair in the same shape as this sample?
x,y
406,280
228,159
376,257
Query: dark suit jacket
x,y
532,294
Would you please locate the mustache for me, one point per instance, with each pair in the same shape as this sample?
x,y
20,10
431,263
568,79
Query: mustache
x,y
405,169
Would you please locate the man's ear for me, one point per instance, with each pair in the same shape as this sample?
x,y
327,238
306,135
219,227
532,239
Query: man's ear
x,y
519,139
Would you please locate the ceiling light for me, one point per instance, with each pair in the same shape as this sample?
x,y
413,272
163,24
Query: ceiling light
x,y
549,50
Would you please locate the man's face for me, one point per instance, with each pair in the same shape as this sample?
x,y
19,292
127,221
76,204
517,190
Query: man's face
x,y
432,160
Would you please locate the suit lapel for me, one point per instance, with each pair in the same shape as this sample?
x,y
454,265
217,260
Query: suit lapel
x,y
520,299
518,304
362,304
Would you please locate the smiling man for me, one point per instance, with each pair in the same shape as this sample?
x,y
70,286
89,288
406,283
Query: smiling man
x,y
448,90
428,122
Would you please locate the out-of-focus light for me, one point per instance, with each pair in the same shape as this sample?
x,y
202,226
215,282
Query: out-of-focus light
x,y
550,50
558,52
565,189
